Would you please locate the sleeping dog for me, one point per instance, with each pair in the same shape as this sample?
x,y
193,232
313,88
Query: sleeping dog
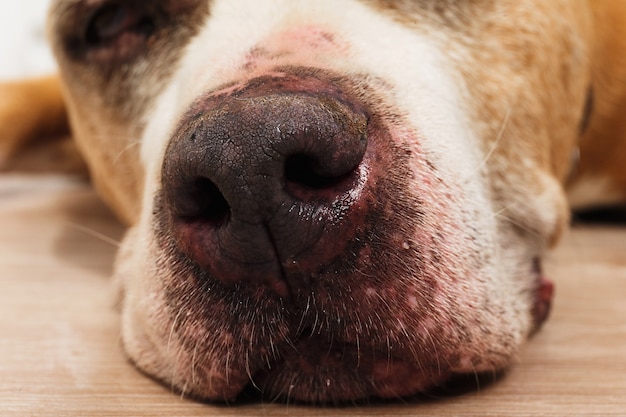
x,y
334,200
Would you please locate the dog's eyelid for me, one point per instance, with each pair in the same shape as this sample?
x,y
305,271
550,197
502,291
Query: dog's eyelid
x,y
587,113
112,20
106,31
108,22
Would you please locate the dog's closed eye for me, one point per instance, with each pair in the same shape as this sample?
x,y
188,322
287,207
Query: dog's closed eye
x,y
113,23
108,35
110,32
117,32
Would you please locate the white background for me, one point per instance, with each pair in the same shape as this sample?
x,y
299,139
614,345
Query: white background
x,y
23,47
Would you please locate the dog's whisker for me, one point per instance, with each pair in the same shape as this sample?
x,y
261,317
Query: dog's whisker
x,y
435,350
182,392
520,226
500,213
273,352
93,233
358,350
389,356
124,150
316,322
303,315
495,144
193,363
286,391
227,363
476,378
249,370
168,350
171,332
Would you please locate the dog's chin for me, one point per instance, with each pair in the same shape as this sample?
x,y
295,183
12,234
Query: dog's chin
x,y
379,339
319,371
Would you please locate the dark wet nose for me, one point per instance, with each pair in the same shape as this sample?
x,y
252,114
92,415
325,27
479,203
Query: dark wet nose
x,y
252,182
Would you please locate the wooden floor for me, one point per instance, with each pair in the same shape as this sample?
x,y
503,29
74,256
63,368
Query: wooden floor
x,y
59,333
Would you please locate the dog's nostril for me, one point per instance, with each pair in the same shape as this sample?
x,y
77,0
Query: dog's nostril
x,y
201,200
305,173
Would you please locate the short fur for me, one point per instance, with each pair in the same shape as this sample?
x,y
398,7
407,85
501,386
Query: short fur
x,y
475,110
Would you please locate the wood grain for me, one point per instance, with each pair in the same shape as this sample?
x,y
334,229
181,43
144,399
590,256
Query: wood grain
x,y
60,353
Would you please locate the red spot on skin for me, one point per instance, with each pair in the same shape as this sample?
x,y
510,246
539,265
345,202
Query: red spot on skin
x,y
310,36
303,46
543,301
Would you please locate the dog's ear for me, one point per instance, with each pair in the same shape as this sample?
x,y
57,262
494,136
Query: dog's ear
x,y
34,131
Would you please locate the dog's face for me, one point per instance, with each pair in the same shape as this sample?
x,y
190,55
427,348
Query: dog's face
x,y
330,200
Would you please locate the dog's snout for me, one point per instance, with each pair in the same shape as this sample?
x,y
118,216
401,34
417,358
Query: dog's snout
x,y
251,182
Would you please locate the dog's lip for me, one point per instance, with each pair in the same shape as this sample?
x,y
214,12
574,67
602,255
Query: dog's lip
x,y
317,370
543,295
543,300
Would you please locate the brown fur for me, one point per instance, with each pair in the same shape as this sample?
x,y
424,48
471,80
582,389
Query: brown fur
x,y
34,131
603,147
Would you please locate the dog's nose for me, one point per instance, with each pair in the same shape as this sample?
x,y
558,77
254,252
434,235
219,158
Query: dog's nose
x,y
254,182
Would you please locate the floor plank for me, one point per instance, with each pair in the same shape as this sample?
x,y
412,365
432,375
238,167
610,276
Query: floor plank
x,y
59,334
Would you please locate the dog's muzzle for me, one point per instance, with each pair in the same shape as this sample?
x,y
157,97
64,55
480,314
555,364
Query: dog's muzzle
x,y
253,179
303,227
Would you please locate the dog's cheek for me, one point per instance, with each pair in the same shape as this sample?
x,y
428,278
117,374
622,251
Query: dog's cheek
x,y
139,304
478,316
164,339
553,202
542,218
